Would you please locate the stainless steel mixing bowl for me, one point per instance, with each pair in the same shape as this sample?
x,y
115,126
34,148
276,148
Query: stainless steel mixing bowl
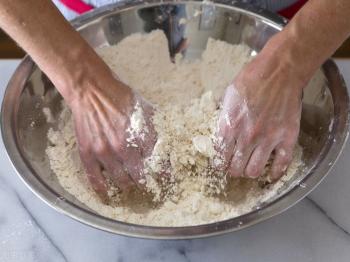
x,y
324,125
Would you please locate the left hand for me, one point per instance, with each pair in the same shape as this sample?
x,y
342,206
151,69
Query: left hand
x,y
110,150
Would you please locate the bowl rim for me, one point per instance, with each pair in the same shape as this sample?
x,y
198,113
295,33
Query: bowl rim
x,y
280,204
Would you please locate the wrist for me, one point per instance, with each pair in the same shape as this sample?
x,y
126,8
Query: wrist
x,y
292,56
79,72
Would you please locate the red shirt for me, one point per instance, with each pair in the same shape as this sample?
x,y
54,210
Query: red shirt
x,y
80,7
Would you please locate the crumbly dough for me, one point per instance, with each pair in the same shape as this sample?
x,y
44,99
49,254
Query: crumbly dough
x,y
186,97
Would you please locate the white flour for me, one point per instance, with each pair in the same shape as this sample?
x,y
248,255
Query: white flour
x,y
185,95
137,127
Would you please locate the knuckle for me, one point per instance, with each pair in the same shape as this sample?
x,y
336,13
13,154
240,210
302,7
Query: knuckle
x,y
101,148
272,136
117,145
236,167
253,173
284,158
237,159
228,123
255,168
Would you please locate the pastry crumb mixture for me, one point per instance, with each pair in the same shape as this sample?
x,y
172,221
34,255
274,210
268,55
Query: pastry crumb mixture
x,y
186,95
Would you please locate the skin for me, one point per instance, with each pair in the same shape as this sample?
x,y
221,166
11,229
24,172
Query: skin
x,y
263,103
101,105
262,108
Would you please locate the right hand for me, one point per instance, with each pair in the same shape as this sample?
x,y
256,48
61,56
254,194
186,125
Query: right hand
x,y
102,121
260,116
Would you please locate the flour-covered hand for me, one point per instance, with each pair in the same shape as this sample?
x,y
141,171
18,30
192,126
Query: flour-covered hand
x,y
114,133
260,117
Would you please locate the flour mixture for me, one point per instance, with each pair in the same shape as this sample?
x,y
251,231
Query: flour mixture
x,y
186,95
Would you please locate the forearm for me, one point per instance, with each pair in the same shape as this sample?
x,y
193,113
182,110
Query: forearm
x,y
312,36
53,44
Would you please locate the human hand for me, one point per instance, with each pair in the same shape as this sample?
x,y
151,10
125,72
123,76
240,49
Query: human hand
x,y
260,116
114,134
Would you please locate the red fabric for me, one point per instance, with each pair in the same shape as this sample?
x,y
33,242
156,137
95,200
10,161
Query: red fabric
x,y
80,7
293,9
77,5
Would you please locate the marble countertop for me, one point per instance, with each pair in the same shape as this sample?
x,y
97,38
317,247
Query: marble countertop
x,y
316,229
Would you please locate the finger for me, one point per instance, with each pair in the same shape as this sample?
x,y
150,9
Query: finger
x,y
227,135
90,163
97,127
116,171
240,159
104,154
94,175
258,161
225,152
230,125
134,156
126,161
148,136
82,133
133,162
230,122
283,157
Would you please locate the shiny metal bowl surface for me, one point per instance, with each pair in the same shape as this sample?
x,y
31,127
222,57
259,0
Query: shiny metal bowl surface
x,y
324,124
